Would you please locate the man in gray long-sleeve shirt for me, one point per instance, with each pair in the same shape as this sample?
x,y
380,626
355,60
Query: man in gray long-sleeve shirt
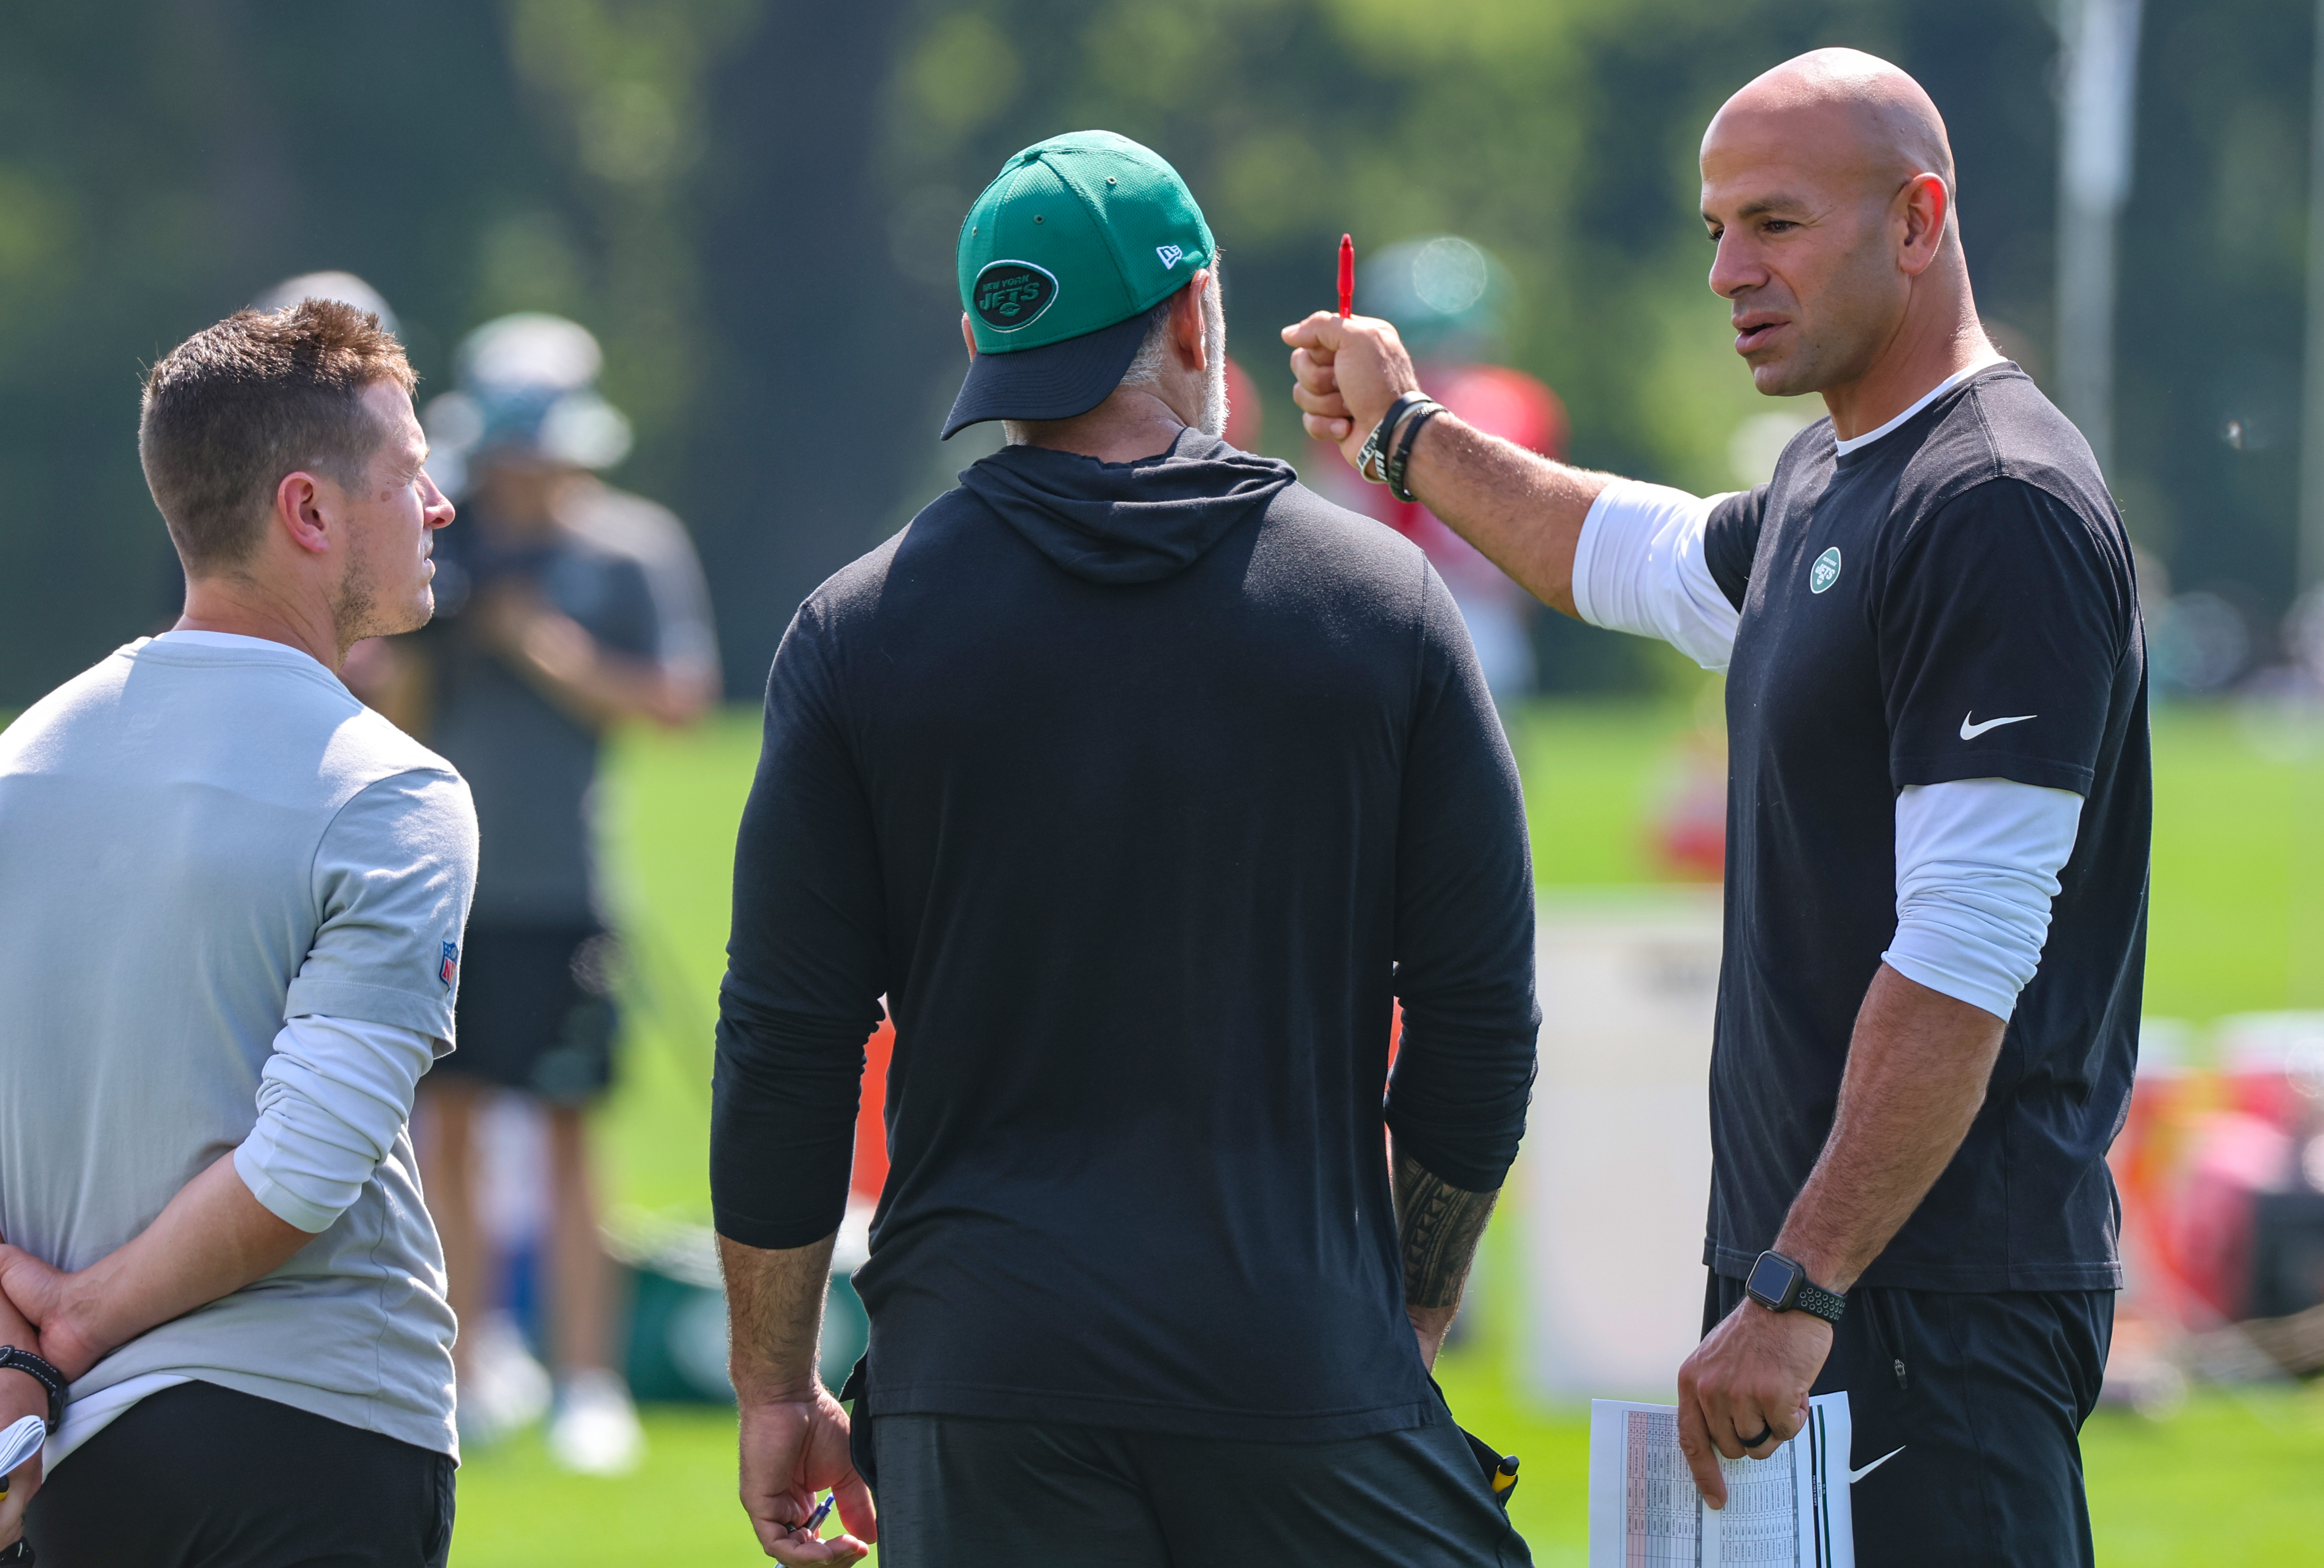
x,y
231,902
1141,783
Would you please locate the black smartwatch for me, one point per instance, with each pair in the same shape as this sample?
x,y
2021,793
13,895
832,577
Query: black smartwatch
x,y
1780,1284
12,1360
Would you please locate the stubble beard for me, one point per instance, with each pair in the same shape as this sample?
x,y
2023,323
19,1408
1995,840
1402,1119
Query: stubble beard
x,y
361,611
1214,409
1842,341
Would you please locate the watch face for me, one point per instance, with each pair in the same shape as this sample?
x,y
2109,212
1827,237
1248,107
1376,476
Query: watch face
x,y
1771,1280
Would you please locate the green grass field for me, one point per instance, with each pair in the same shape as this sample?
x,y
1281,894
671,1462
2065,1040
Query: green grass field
x,y
2231,1478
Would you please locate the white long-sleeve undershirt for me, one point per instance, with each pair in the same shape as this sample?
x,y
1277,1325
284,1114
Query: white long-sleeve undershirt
x,y
1977,865
331,1101
1976,858
1639,567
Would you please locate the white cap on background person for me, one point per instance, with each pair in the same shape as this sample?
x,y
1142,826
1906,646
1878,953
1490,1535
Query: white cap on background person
x,y
344,287
528,388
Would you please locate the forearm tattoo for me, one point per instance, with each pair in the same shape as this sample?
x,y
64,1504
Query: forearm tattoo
x,y
1439,1226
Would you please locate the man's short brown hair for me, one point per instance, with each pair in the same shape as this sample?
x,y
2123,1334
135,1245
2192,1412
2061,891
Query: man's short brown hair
x,y
263,394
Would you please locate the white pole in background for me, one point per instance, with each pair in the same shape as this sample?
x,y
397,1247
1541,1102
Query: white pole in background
x,y
2311,417
2096,122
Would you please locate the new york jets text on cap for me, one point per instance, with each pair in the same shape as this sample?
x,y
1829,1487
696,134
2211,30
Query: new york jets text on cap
x,y
1059,260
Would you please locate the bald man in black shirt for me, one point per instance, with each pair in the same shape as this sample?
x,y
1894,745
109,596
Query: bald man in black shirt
x,y
1938,815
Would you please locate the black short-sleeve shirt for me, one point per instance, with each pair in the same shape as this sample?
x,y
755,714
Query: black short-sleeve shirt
x,y
1954,601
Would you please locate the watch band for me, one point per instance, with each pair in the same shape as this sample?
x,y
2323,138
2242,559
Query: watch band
x,y
1816,1300
12,1360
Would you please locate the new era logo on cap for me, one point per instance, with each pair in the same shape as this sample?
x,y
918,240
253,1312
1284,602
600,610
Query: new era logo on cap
x,y
1171,255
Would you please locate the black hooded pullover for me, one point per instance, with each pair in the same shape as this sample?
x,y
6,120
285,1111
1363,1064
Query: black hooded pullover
x,y
1138,790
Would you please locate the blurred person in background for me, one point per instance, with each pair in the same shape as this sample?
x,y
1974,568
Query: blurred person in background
x,y
345,287
1141,782
1938,820
570,608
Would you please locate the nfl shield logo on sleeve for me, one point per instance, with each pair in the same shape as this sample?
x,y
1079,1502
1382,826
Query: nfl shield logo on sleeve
x,y
449,969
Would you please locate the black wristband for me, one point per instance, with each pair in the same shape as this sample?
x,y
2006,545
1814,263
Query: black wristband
x,y
1403,454
1374,449
1817,1302
12,1360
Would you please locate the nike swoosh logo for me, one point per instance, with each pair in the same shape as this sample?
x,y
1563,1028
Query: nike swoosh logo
x,y
1857,1475
1970,732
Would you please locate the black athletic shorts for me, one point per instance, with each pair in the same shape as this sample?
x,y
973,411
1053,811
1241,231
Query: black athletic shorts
x,y
957,1491
536,1010
1986,1395
197,1476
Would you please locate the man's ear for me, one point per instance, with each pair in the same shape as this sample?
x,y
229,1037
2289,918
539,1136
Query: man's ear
x,y
1187,322
1928,210
968,336
299,504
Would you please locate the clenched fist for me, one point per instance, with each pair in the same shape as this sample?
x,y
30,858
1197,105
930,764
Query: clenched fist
x,y
1348,369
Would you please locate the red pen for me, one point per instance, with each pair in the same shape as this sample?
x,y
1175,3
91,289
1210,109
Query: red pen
x,y
1347,274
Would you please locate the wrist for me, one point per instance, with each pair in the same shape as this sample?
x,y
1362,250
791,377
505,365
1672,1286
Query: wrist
x,y
82,1317
54,1387
1824,1267
1781,1284
768,1385
1372,459
21,1393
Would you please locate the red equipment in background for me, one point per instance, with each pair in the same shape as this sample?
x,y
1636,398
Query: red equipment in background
x,y
2221,1172
871,1124
1246,414
1499,402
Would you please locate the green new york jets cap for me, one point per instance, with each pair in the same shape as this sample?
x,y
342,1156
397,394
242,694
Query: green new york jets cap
x,y
1060,259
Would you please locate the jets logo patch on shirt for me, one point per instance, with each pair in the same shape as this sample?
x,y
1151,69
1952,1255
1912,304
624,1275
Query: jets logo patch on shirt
x,y
1825,572
1010,295
447,970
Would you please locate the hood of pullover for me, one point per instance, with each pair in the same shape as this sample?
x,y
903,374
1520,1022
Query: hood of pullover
x,y
1128,522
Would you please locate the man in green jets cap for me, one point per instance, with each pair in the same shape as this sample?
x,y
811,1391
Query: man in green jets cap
x,y
1140,782
1119,226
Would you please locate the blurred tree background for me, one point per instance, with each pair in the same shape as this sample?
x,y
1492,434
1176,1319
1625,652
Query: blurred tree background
x,y
754,203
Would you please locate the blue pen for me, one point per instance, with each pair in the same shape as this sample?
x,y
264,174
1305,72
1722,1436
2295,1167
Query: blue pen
x,y
814,1521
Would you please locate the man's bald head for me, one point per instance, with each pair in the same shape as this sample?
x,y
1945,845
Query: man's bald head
x,y
1855,106
1828,185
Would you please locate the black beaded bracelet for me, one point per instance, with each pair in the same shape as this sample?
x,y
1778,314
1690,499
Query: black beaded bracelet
x,y
1403,454
12,1360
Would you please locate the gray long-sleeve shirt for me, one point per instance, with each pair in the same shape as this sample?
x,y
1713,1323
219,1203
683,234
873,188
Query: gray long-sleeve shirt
x,y
201,838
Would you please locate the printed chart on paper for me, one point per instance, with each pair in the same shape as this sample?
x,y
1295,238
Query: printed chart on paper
x,y
1788,1511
